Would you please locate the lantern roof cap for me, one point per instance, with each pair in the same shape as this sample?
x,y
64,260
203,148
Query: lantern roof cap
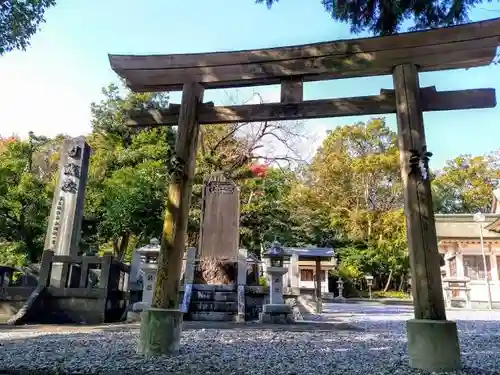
x,y
276,251
152,247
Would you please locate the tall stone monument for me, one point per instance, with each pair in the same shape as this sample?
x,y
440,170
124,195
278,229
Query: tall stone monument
x,y
219,232
65,221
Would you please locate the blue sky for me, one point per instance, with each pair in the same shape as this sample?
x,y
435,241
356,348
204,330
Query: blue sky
x,y
48,89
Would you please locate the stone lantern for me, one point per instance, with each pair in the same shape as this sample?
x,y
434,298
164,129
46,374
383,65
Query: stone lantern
x,y
340,288
369,282
148,267
276,311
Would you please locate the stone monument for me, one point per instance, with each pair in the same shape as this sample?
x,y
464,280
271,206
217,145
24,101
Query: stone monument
x,y
276,311
219,231
220,234
66,216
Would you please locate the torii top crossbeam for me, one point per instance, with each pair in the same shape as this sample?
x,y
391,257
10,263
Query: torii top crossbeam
x,y
455,47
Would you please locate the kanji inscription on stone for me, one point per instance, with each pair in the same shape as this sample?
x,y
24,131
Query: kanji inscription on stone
x,y
74,151
69,186
72,169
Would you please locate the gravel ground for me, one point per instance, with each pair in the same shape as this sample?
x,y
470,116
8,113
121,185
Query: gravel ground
x,y
377,346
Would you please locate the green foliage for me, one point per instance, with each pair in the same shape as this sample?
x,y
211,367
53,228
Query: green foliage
x,y
265,211
128,170
396,294
24,199
12,254
382,17
263,281
19,21
465,185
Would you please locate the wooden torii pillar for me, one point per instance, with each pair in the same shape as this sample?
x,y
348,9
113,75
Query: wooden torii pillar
x,y
432,340
161,324
429,333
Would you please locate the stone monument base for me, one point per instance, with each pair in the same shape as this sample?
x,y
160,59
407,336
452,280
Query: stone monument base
x,y
215,271
277,314
160,331
433,345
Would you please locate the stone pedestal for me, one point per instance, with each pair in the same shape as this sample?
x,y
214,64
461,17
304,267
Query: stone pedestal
x,y
277,314
276,284
433,345
149,282
160,332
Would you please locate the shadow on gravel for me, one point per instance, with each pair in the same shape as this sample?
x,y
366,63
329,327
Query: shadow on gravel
x,y
303,326
112,350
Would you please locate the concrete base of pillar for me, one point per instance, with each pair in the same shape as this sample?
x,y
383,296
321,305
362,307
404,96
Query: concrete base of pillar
x,y
140,306
160,332
277,314
433,345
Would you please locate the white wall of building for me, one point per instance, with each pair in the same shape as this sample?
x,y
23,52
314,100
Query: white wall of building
x,y
469,263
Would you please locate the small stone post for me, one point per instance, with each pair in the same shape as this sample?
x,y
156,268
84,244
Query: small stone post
x,y
242,280
294,276
188,278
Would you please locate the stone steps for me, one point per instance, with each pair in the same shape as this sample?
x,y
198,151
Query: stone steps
x,y
213,303
213,296
202,306
212,316
214,288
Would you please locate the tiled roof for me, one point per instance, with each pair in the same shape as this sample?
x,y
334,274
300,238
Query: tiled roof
x,y
311,252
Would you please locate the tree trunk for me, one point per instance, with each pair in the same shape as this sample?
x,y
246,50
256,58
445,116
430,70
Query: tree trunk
x,y
401,283
116,247
388,283
122,249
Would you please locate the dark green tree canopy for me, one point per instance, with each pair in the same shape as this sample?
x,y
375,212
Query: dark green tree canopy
x,y
19,21
385,17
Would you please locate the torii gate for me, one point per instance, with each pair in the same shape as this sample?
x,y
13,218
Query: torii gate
x,y
432,340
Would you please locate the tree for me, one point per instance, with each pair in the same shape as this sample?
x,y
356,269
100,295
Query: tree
x,y
266,211
19,21
355,177
385,17
465,184
353,189
24,201
128,169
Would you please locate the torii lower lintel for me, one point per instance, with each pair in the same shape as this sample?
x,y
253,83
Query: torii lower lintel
x,y
385,103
